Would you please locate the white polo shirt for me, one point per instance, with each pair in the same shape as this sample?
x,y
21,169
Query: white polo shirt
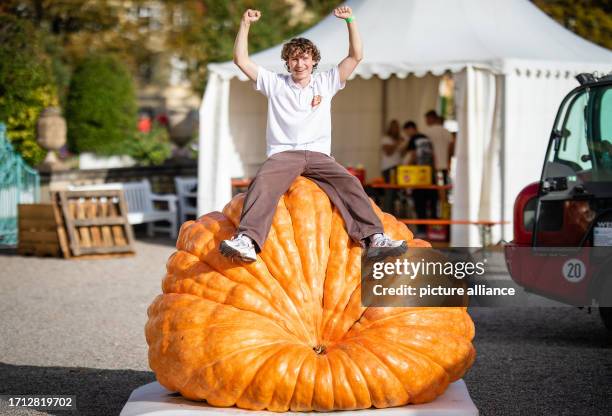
x,y
293,122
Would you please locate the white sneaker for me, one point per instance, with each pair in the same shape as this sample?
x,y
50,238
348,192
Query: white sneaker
x,y
381,246
241,247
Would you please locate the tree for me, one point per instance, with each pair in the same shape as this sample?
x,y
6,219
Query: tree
x,y
26,85
198,31
591,19
101,110
57,23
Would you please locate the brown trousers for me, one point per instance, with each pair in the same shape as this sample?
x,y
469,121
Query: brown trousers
x,y
276,176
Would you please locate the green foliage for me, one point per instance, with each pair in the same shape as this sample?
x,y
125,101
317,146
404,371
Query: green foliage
x,y
60,69
151,148
591,19
199,31
101,110
61,25
72,30
321,8
26,86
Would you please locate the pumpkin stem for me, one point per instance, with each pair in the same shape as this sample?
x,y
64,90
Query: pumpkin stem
x,y
319,349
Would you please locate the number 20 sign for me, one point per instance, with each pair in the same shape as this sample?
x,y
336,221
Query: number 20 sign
x,y
574,270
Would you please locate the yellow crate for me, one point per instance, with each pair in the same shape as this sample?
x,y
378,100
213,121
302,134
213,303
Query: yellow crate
x,y
413,175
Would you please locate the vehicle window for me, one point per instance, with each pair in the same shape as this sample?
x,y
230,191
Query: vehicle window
x,y
601,145
529,213
583,151
574,151
605,123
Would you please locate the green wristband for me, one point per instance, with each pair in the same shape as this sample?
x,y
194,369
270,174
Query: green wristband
x,y
349,19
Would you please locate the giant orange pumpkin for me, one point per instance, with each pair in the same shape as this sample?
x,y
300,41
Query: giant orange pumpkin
x,y
288,331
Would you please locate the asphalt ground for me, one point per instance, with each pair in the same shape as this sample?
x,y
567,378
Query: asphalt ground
x,y
76,327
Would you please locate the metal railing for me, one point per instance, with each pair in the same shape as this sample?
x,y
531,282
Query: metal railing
x,y
19,184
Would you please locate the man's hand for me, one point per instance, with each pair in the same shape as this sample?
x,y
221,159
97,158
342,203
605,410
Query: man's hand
x,y
348,64
241,48
343,12
251,16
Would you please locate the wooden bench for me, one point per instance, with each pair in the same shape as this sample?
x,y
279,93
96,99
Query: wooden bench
x,y
141,205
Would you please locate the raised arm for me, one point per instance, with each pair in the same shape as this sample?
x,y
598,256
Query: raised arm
x,y
355,53
241,45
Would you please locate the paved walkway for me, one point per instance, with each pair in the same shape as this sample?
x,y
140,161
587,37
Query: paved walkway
x,y
77,326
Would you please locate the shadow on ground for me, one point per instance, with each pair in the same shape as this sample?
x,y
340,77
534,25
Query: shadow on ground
x,y
162,239
563,326
97,391
157,240
139,236
540,361
8,251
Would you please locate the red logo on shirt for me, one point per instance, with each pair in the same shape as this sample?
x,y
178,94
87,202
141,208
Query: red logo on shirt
x,y
316,100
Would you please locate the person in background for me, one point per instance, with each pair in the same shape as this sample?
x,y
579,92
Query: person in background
x,y
391,145
420,151
442,141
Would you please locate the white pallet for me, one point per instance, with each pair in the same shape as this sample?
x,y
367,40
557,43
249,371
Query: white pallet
x,y
154,400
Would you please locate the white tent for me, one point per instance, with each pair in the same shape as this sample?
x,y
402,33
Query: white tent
x,y
512,65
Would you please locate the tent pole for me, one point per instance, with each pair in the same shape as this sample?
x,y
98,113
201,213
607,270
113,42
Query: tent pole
x,y
502,153
384,106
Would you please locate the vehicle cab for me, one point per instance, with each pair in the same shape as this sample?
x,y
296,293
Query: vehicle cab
x,y
569,211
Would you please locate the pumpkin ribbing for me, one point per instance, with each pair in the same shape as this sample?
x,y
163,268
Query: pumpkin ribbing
x,y
288,332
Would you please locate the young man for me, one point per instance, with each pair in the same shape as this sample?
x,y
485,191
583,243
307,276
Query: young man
x,y
420,151
442,141
298,139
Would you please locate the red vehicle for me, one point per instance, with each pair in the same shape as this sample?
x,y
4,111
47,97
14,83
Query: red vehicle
x,y
562,247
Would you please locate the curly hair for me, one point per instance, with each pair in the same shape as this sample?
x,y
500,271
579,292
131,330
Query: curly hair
x,y
300,46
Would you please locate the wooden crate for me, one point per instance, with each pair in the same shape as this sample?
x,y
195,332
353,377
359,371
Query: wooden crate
x,y
96,222
40,230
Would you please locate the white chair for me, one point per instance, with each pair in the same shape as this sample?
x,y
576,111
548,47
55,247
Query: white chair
x,y
140,204
187,197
